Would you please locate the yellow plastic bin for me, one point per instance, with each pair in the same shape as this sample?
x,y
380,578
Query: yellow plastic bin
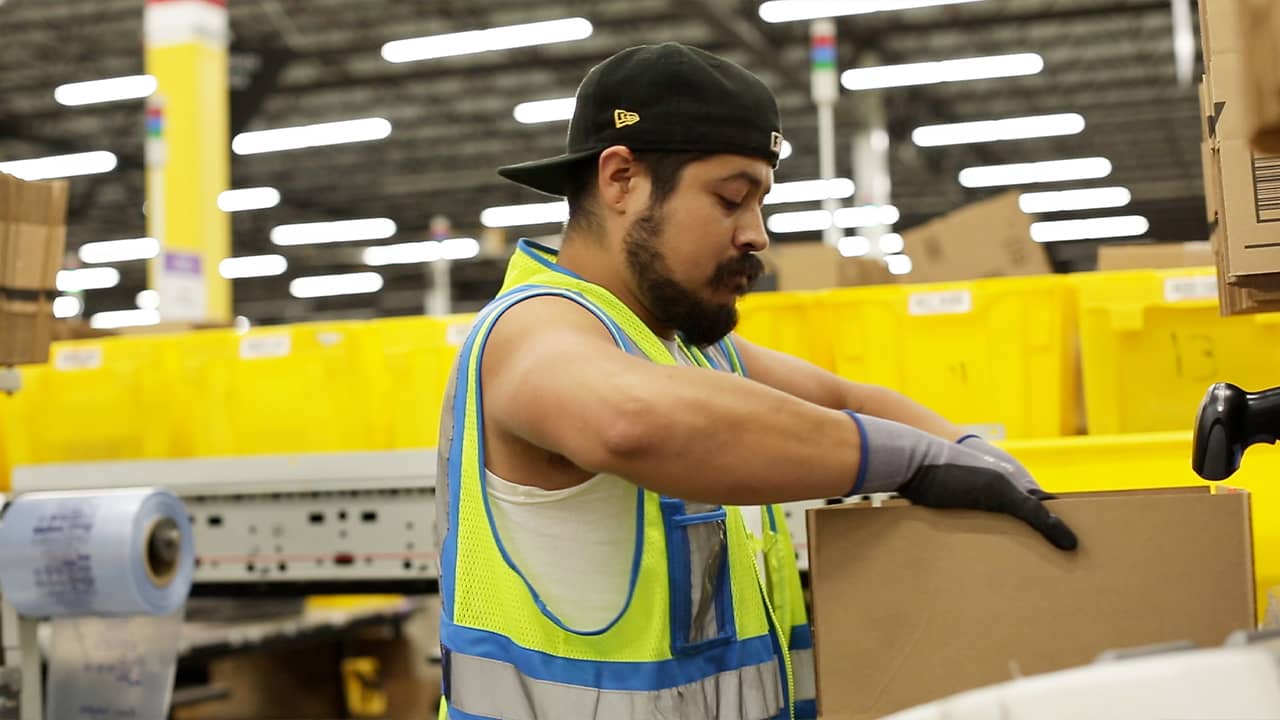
x,y
1140,461
417,355
1152,343
996,355
278,389
100,399
786,322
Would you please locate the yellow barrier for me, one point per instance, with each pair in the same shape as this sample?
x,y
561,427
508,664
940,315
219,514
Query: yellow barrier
x,y
295,388
996,354
417,355
1152,343
1156,460
788,322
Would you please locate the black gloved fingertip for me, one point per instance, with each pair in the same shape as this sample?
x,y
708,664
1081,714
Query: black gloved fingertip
x,y
1061,536
1041,495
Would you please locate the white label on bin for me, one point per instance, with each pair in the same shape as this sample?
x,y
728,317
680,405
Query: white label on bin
x,y
1196,287
264,346
329,338
88,357
945,302
456,333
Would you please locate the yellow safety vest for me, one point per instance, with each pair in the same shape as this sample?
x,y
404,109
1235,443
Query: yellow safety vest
x,y
702,633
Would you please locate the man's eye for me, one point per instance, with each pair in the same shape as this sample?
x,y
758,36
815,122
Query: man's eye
x,y
729,204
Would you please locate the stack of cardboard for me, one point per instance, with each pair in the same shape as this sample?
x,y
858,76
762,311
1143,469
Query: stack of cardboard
x,y
33,232
991,238
1242,180
1142,256
817,266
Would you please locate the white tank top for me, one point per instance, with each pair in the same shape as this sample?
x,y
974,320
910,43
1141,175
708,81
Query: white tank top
x,y
575,546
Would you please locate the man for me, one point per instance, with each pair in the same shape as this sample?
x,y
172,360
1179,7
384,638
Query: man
x,y
596,562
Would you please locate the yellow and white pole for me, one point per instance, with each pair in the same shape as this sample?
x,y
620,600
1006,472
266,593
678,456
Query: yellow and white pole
x,y
188,156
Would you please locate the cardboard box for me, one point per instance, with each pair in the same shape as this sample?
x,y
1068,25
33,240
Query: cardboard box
x,y
991,238
1261,46
33,235
912,604
1154,255
816,266
1242,183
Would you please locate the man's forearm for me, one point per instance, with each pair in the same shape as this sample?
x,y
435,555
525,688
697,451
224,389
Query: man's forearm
x,y
885,403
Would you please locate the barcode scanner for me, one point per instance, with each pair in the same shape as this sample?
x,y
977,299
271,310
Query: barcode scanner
x,y
1231,420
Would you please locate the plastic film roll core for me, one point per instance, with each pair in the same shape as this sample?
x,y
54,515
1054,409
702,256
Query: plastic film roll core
x,y
164,544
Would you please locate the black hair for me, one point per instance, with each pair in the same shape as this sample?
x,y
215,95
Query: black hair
x,y
664,172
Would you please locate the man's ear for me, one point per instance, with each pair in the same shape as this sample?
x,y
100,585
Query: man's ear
x,y
616,178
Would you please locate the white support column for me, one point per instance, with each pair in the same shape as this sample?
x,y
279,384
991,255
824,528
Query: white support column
x,y
825,90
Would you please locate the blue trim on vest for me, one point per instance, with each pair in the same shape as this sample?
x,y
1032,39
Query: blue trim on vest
x,y
517,296
531,250
610,674
806,710
453,713
735,358
801,637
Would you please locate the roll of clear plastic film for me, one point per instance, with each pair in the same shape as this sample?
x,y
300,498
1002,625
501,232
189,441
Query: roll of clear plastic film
x,y
113,568
105,552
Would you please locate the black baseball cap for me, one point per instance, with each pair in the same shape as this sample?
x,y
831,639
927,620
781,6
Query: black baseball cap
x,y
668,97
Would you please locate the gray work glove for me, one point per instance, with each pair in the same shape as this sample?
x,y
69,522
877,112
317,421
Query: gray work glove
x,y
1017,473
933,472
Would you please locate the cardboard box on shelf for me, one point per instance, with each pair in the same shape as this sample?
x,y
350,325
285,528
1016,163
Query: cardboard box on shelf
x,y
1261,44
33,235
816,266
1155,255
1242,176
912,604
991,238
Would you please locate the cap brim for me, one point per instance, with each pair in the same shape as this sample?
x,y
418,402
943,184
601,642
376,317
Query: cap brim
x,y
550,176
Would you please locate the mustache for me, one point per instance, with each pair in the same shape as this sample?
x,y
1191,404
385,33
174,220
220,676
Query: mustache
x,y
747,265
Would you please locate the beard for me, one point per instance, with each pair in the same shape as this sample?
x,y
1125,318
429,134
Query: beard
x,y
701,322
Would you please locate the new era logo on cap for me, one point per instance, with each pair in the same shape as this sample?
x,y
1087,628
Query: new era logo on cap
x,y
622,118
775,142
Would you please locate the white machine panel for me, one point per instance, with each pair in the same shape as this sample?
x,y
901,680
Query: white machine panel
x,y
359,518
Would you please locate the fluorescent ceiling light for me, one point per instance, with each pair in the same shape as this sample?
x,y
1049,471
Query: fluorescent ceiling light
x,y
892,244
330,285
251,266
305,136
60,166
478,41
801,221
113,319
147,300
129,87
459,248
809,190
541,111
66,306
426,251
815,220
854,246
99,278
1064,200
786,150
111,251
929,73
866,216
1036,172
776,11
1018,128
898,264
1090,229
528,214
250,198
336,231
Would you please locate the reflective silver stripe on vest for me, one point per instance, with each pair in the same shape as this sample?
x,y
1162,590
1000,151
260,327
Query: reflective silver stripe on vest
x,y
492,688
802,675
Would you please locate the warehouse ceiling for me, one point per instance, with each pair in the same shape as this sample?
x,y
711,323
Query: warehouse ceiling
x,y
297,62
